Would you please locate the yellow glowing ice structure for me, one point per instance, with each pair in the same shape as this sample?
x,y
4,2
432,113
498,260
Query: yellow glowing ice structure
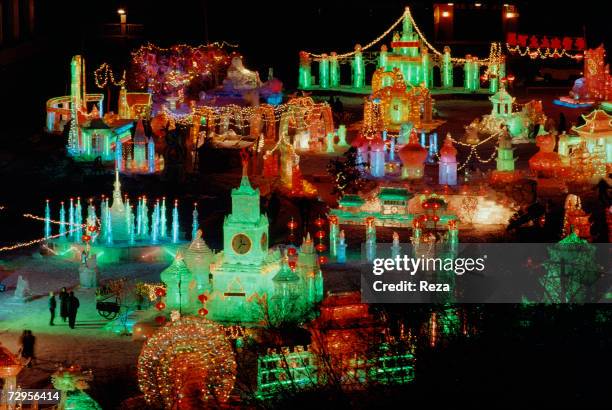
x,y
124,109
62,109
597,134
398,104
187,364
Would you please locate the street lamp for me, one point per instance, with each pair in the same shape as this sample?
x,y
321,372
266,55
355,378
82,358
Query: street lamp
x,y
122,20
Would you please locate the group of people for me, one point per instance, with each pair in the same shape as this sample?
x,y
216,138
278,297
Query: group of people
x,y
69,305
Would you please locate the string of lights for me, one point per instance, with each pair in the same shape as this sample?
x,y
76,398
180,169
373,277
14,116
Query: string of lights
x,y
432,48
370,44
474,152
240,116
538,53
150,47
104,73
35,241
190,350
40,218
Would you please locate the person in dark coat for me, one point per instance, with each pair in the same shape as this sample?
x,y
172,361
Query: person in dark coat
x,y
27,342
562,123
73,307
63,298
52,307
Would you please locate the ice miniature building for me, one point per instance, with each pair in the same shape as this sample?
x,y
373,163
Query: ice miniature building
x,y
250,282
518,123
447,173
93,134
411,55
596,132
394,103
377,157
198,257
505,171
117,229
545,163
138,154
413,157
99,138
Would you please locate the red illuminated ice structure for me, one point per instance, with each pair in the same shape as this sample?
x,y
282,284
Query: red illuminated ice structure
x,y
595,86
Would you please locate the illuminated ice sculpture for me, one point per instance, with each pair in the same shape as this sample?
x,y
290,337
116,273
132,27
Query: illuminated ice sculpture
x,y
447,173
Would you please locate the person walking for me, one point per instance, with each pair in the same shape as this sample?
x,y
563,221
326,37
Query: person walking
x,y
73,307
52,307
63,299
27,342
562,123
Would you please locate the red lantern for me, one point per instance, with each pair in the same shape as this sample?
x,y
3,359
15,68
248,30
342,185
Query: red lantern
x,y
436,218
202,311
320,234
291,251
319,222
160,320
159,291
292,224
322,259
91,228
426,205
202,298
86,238
320,247
160,306
291,265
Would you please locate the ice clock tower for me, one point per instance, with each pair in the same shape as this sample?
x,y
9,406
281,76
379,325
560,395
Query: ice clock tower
x,y
245,230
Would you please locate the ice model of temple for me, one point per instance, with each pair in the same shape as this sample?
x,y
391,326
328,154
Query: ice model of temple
x,y
411,55
115,227
519,123
249,282
394,206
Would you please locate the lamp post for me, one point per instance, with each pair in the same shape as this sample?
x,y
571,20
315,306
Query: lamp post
x,y
122,20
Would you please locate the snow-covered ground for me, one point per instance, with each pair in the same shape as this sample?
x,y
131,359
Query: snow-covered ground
x,y
112,357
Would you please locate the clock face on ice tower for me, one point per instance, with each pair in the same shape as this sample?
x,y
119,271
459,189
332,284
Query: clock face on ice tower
x,y
245,230
241,244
